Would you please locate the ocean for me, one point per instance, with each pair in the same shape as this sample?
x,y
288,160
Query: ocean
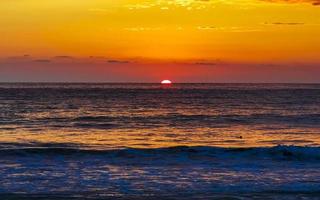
x,y
150,141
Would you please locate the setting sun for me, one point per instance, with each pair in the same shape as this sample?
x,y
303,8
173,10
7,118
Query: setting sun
x,y
166,82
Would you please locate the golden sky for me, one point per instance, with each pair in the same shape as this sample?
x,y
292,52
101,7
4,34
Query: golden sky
x,y
162,36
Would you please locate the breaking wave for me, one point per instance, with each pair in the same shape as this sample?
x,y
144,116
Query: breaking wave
x,y
175,154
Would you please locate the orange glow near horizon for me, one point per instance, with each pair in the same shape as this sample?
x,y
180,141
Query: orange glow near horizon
x,y
154,38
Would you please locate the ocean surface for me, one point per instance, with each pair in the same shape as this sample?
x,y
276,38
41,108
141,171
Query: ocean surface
x,y
148,141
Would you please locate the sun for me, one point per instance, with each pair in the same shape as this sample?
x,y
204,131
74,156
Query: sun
x,y
166,82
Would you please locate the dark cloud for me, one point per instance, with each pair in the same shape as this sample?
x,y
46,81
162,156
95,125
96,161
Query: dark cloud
x,y
206,63
97,57
42,60
209,62
63,57
285,23
26,56
118,61
313,2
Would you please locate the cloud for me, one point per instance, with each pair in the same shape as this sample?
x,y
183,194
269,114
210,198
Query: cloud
x,y
139,6
313,2
23,57
285,23
206,27
42,60
214,62
63,57
206,63
228,29
167,4
97,57
118,61
137,29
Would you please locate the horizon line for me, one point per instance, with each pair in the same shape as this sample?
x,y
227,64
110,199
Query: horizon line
x,y
115,82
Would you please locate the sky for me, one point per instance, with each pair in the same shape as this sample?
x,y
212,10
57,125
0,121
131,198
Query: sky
x,y
150,40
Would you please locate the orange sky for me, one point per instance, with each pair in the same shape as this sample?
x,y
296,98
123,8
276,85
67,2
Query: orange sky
x,y
150,40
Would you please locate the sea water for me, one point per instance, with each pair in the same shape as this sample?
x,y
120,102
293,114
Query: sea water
x,y
127,141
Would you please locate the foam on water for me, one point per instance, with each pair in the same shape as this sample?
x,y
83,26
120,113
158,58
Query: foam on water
x,y
49,169
179,155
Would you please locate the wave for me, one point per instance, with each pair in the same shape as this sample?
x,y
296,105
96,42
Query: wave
x,y
218,118
178,153
171,119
